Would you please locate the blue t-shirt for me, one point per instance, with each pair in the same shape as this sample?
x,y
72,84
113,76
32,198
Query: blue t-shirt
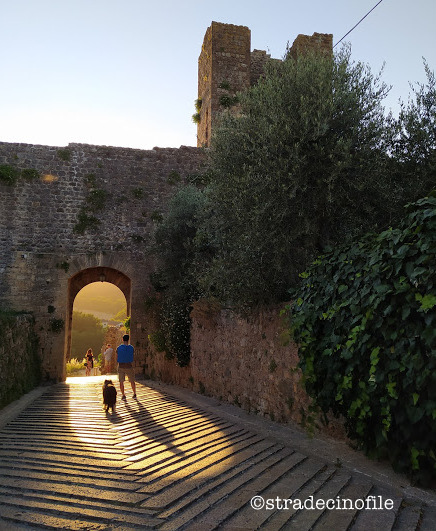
x,y
125,353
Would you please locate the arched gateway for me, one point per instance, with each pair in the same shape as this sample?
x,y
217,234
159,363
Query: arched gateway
x,y
76,215
88,276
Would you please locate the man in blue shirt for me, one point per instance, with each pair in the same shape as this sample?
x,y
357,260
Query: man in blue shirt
x,y
125,365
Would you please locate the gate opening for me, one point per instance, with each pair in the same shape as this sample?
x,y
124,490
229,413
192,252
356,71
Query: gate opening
x,y
99,301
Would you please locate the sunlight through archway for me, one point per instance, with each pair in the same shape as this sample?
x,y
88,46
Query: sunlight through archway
x,y
99,304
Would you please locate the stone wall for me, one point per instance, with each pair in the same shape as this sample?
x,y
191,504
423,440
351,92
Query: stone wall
x,y
19,362
125,190
318,42
247,361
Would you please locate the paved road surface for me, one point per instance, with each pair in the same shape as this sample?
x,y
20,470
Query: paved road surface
x,y
175,460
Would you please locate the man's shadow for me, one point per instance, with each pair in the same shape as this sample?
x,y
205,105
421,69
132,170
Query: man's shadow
x,y
146,434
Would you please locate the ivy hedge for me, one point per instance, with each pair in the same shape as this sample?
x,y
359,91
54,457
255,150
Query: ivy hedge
x,y
364,318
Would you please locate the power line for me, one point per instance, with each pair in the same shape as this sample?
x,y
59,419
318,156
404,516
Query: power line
x,y
355,26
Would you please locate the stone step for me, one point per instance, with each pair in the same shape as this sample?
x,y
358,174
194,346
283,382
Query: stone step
x,y
25,467
67,454
7,525
159,478
409,516
231,482
153,428
286,488
80,490
379,519
110,481
144,438
158,455
50,437
356,491
279,519
200,478
86,519
308,518
50,459
29,498
74,447
428,518
188,437
256,480
215,489
160,463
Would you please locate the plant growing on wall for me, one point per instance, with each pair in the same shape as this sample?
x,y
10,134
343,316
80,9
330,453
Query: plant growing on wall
x,y
95,202
63,265
364,319
64,154
138,193
19,346
85,222
196,118
174,177
10,174
56,325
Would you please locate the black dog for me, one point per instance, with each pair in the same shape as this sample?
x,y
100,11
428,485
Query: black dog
x,y
109,395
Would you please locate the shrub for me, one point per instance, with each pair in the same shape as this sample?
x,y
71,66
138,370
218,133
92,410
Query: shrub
x,y
74,365
8,174
64,154
364,320
85,222
175,278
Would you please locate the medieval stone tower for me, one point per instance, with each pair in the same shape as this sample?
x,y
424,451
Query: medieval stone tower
x,y
227,65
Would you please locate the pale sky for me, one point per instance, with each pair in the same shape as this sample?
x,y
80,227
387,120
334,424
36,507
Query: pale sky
x,y
124,72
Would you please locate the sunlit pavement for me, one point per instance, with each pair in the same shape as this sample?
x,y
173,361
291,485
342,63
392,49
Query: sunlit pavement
x,y
172,460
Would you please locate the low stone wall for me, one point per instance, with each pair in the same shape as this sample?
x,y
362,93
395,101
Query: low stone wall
x,y
250,362
19,362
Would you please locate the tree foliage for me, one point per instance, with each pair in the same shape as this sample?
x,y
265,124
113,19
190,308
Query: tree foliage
x,y
175,277
298,169
87,332
414,142
365,322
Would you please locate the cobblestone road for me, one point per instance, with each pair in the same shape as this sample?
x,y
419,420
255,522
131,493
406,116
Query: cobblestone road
x,y
174,461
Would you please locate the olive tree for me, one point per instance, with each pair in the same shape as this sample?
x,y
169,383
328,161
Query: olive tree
x,y
300,166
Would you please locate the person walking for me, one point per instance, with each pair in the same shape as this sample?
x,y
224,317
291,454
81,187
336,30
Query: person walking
x,y
89,361
108,355
125,355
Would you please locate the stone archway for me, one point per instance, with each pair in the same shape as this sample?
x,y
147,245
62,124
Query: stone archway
x,y
88,276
